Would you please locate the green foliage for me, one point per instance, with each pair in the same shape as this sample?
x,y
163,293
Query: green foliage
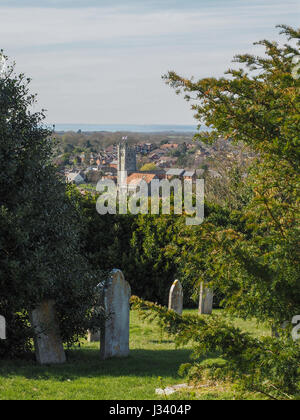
x,y
148,167
40,252
261,108
135,244
152,269
105,238
254,259
151,250
266,365
247,248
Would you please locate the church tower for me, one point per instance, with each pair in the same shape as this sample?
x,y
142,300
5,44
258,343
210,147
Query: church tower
x,y
126,160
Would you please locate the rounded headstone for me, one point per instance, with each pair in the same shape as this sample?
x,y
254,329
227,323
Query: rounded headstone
x,y
115,333
176,297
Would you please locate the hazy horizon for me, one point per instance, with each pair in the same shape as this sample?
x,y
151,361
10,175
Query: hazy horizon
x,y
135,128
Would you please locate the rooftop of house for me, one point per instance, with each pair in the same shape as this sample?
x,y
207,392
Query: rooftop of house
x,y
136,177
169,146
72,175
157,152
112,177
175,172
169,159
189,173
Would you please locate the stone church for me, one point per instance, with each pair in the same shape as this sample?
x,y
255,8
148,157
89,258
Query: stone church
x,y
126,160
127,168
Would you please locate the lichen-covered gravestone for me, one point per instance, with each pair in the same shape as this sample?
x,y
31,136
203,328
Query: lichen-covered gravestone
x,y
176,297
115,331
48,344
205,300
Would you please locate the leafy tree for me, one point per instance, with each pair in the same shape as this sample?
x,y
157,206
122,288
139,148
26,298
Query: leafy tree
x,y
153,270
105,238
68,148
165,141
135,244
193,251
148,167
249,250
265,365
258,266
260,108
40,252
182,148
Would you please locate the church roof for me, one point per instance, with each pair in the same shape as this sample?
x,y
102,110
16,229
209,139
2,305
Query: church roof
x,y
135,178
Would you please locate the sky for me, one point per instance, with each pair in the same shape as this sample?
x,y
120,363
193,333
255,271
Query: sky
x,y
101,61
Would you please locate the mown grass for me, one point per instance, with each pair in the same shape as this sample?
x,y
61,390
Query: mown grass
x,y
85,376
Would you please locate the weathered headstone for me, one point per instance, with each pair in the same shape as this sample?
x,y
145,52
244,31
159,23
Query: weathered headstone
x,y
115,331
205,300
176,297
48,344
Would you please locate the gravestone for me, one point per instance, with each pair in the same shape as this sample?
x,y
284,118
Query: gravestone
x,y
115,331
176,297
205,300
48,344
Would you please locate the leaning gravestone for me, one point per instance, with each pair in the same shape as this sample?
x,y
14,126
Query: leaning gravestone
x,y
48,344
205,300
176,297
115,331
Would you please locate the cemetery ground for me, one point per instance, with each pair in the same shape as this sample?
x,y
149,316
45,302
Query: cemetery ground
x,y
153,363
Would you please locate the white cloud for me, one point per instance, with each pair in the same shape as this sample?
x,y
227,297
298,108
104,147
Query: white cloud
x,y
104,65
29,27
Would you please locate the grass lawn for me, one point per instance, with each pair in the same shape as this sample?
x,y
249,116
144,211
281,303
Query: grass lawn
x,y
85,376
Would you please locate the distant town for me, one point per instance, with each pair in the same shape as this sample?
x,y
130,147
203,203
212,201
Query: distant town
x,y
85,158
